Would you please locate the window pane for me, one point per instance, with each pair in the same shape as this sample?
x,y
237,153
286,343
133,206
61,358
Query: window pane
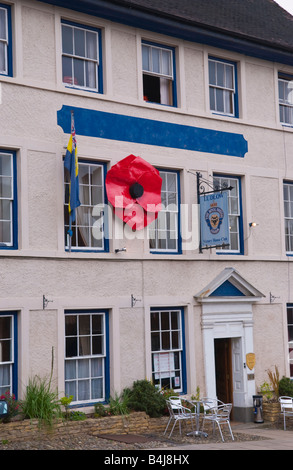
x,y
84,346
219,100
3,64
155,60
83,370
71,347
5,232
229,76
220,71
97,324
212,72
97,345
91,77
5,165
5,327
91,45
84,324
6,187
166,341
97,388
70,325
67,71
70,370
5,213
83,390
166,62
155,339
79,42
155,321
145,58
3,27
67,39
78,68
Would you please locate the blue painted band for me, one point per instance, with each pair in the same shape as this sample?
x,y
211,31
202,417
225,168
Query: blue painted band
x,y
119,127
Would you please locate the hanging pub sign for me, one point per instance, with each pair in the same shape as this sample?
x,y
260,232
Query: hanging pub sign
x,y
214,219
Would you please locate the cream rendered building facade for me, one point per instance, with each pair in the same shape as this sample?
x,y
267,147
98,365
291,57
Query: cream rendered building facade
x,y
228,299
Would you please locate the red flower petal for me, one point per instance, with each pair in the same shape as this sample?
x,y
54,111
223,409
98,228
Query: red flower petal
x,y
119,186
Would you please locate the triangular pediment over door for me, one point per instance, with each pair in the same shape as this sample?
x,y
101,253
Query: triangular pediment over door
x,y
229,284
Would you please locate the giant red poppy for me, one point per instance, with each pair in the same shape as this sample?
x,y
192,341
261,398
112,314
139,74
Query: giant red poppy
x,y
134,189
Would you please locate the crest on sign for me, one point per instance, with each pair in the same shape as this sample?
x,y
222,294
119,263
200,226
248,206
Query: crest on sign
x,y
250,360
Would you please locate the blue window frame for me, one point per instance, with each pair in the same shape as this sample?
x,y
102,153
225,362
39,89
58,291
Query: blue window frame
x,y
235,212
223,87
87,355
159,74
168,348
285,85
164,232
90,226
8,353
290,337
81,57
8,200
5,40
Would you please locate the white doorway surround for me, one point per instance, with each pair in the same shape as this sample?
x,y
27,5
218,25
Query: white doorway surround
x,y
227,312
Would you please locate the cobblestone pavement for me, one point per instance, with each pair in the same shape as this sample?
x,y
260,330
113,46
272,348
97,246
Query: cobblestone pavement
x,y
153,441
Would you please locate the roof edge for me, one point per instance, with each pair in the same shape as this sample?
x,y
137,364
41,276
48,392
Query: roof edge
x,y
170,26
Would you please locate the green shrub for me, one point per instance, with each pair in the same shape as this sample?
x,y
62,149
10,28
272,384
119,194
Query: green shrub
x,y
286,387
119,404
76,416
144,396
101,411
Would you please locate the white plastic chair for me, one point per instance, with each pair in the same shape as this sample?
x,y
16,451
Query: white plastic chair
x,y
286,407
219,414
178,413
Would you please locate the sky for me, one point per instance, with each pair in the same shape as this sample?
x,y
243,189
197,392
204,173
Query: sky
x,y
286,4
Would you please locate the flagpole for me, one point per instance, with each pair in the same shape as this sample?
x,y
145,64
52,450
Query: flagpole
x,y
70,215
70,233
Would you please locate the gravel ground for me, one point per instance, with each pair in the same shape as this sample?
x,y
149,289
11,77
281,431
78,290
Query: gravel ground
x,y
83,442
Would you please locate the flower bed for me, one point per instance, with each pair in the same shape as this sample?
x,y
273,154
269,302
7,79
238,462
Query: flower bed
x,y
134,423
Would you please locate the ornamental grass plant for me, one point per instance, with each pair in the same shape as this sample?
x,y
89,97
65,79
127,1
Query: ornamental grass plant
x,y
41,402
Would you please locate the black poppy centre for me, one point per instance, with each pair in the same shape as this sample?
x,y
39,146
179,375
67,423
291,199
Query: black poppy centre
x,y
136,190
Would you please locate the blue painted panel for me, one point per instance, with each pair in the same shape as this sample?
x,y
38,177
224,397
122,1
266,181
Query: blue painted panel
x,y
124,128
227,290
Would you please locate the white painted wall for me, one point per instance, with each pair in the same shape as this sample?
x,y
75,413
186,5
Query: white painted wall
x,y
28,124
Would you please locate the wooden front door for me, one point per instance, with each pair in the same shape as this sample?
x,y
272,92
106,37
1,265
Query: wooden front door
x,y
223,365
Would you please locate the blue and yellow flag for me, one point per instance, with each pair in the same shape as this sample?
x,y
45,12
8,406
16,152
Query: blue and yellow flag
x,y
71,164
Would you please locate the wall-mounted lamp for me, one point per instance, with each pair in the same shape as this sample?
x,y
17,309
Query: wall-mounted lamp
x,y
253,224
120,249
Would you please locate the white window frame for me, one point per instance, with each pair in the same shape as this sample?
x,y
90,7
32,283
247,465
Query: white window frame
x,y
286,104
223,89
165,77
8,198
86,60
96,228
234,212
10,363
288,215
168,218
5,41
79,357
163,360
